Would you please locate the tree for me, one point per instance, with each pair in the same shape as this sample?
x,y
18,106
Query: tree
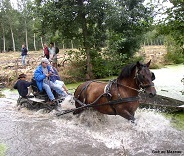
x,y
10,16
128,23
79,19
120,25
2,28
172,27
23,9
174,23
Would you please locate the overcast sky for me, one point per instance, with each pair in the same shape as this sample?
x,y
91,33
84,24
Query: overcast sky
x,y
161,7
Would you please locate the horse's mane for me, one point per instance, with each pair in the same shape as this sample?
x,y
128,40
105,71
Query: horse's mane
x,y
126,71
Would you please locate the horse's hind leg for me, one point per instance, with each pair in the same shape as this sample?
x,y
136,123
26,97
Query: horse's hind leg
x,y
127,115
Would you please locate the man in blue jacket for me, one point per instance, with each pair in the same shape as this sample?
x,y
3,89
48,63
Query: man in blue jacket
x,y
42,76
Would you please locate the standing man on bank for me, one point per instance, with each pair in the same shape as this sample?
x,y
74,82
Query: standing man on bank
x,y
53,55
46,51
24,54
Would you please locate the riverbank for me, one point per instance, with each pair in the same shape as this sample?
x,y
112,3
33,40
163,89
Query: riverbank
x,y
11,63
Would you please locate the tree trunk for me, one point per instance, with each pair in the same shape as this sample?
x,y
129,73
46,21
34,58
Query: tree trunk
x,y
89,74
63,44
13,41
35,41
4,41
41,42
72,44
26,36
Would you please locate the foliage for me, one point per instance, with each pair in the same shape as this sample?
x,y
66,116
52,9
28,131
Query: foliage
x,y
117,26
96,24
174,22
15,18
81,20
77,67
174,52
153,38
173,27
130,20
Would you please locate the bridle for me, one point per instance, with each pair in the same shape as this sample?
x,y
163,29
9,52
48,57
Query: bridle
x,y
139,81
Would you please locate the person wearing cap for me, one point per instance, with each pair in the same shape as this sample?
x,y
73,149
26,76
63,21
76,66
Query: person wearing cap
x,y
42,77
22,85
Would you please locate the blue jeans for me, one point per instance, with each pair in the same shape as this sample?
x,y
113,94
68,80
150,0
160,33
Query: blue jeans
x,y
50,86
23,60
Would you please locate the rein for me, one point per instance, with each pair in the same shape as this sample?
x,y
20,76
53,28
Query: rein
x,y
110,102
138,90
114,102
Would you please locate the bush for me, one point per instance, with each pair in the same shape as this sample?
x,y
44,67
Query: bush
x,y
104,64
175,53
75,71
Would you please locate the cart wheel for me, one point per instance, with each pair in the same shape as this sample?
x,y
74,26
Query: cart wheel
x,y
19,101
26,103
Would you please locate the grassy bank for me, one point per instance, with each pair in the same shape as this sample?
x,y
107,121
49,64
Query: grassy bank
x,y
176,119
3,149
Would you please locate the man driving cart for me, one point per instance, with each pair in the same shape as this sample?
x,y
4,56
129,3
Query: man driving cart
x,y
42,77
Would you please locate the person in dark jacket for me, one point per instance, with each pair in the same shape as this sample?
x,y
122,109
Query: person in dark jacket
x,y
24,54
22,85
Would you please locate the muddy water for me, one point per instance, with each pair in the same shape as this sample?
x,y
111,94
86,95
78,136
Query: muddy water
x,y
31,133
168,81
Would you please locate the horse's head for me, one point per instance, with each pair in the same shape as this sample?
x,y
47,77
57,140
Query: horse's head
x,y
145,77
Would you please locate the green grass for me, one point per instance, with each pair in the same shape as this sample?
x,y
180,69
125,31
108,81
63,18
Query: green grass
x,y
71,87
177,120
3,149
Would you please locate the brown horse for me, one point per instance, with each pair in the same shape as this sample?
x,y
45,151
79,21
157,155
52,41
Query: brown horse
x,y
120,96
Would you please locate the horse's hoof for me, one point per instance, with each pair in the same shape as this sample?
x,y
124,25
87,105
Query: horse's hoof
x,y
133,122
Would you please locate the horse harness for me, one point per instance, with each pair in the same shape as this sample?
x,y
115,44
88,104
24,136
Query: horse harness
x,y
107,94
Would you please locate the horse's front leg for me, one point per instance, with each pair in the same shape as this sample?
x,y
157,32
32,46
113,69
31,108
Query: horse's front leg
x,y
79,110
127,115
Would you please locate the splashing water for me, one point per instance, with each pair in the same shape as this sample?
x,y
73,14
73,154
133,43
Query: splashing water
x,y
91,133
151,132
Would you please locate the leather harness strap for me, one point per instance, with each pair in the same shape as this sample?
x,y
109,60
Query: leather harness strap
x,y
107,94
